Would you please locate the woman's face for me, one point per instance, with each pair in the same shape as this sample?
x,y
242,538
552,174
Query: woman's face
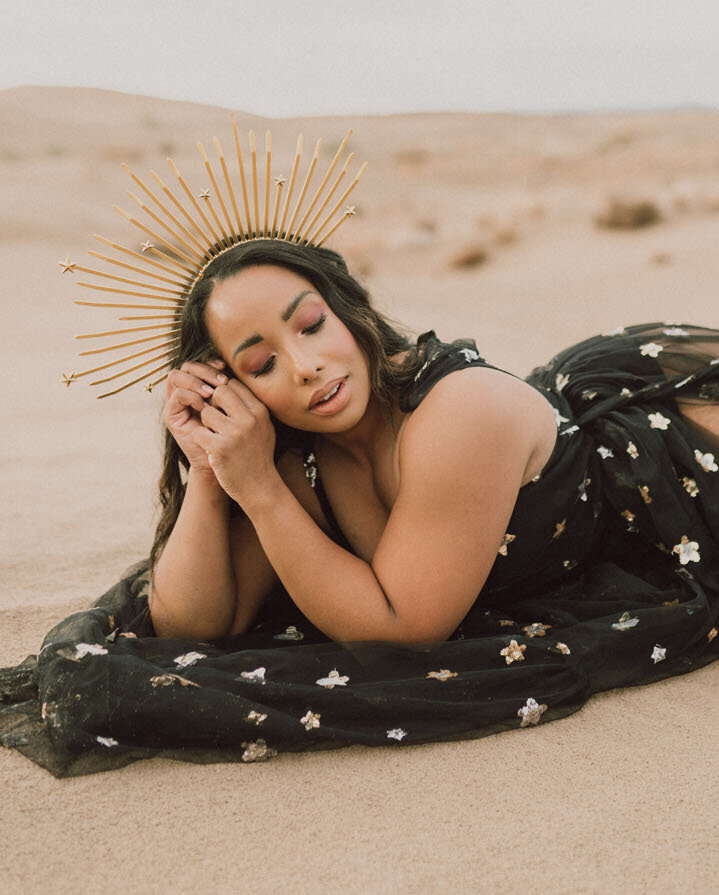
x,y
280,338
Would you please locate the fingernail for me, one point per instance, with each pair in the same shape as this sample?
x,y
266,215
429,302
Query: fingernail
x,y
207,390
221,377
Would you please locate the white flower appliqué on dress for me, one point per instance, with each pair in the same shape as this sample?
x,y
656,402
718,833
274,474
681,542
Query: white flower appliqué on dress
x,y
531,712
658,421
257,674
469,354
605,452
688,551
650,349
333,680
659,653
188,659
396,734
106,741
625,622
89,649
706,461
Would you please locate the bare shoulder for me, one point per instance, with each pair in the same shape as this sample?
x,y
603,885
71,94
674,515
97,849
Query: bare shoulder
x,y
481,409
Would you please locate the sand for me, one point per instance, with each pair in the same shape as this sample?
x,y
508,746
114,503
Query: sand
x,y
620,797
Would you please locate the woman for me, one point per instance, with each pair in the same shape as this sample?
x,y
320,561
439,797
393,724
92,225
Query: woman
x,y
425,494
371,539
398,491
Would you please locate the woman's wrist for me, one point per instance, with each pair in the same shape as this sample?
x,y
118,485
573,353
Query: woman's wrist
x,y
205,481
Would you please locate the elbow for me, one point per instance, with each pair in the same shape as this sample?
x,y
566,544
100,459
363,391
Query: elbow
x,y
168,624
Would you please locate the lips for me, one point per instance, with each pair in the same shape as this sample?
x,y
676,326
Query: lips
x,y
324,392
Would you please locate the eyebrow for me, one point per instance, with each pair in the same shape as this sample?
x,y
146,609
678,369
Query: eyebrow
x,y
286,314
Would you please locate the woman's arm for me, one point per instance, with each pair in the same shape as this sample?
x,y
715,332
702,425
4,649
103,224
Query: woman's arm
x,y
462,458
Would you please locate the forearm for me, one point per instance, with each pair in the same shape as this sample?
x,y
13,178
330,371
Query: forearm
x,y
337,591
193,591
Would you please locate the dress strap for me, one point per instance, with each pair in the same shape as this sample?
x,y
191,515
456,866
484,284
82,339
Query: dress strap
x,y
313,477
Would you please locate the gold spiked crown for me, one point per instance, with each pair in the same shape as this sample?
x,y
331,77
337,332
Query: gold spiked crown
x,y
174,262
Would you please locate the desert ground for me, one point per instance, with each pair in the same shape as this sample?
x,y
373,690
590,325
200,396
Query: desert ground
x,y
524,232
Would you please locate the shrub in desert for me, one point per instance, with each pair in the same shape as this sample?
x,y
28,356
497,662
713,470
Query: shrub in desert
x,y
628,214
469,256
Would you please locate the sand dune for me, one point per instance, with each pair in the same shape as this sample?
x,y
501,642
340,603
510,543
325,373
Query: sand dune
x,y
612,799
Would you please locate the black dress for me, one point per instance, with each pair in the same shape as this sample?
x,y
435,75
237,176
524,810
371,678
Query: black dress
x,y
608,576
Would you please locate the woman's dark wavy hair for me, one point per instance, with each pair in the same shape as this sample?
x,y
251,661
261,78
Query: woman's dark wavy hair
x,y
348,300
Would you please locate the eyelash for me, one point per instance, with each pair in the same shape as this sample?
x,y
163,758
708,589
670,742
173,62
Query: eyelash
x,y
307,331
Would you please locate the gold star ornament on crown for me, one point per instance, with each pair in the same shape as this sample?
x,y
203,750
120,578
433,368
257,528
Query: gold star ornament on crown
x,y
183,237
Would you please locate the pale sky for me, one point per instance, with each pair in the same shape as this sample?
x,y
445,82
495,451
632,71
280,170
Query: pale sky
x,y
313,57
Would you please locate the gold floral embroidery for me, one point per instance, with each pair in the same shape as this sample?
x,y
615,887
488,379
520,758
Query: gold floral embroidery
x,y
257,750
442,675
570,564
166,680
632,450
561,648
644,491
506,622
690,486
712,634
506,541
536,629
255,717
559,528
531,712
674,602
310,720
514,652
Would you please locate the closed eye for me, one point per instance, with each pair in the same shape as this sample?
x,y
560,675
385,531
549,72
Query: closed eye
x,y
315,327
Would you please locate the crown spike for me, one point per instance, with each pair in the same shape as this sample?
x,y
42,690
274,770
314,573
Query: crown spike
x,y
310,172
143,258
121,360
127,344
238,150
315,235
268,154
211,174
228,184
158,220
103,304
149,232
145,273
128,384
130,292
181,208
121,332
188,193
165,210
152,317
301,233
143,363
278,181
255,200
322,185
295,164
110,276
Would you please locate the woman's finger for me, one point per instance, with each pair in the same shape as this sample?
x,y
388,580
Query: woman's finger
x,y
204,372
228,396
184,397
213,418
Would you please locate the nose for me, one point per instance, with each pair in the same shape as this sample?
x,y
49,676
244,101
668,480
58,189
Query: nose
x,y
305,367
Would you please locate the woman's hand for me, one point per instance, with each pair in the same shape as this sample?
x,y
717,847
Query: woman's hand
x,y
238,439
188,390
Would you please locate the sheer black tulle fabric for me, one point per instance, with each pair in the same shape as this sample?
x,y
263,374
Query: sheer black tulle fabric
x,y
608,576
